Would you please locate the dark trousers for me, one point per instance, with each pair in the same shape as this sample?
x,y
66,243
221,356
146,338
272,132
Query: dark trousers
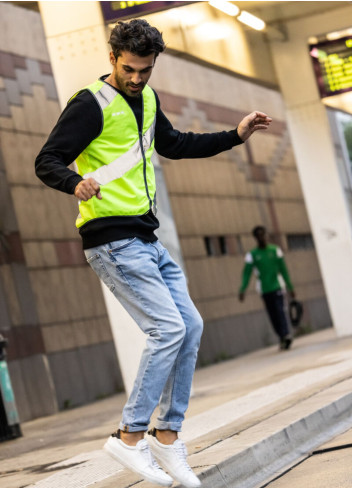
x,y
275,306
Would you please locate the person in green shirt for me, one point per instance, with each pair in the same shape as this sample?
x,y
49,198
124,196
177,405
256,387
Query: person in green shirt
x,y
269,265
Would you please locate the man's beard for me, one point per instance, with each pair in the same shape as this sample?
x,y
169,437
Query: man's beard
x,y
125,87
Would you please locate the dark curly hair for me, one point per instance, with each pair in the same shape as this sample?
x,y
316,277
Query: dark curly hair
x,y
258,229
138,37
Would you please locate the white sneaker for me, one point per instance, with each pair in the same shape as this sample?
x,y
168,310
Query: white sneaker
x,y
173,458
139,459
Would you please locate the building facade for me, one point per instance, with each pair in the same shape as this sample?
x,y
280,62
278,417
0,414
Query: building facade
x,y
61,351
217,202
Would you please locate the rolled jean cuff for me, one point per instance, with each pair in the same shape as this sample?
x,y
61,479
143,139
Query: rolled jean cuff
x,y
132,429
165,425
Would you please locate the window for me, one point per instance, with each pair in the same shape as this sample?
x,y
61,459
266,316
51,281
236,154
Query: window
x,y
221,245
212,245
300,242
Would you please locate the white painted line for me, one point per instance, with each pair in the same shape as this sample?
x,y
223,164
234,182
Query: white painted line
x,y
77,459
226,413
92,467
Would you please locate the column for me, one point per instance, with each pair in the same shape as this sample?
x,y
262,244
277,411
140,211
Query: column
x,y
77,41
316,161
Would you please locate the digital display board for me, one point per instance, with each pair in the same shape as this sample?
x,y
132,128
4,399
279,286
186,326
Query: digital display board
x,y
113,11
332,63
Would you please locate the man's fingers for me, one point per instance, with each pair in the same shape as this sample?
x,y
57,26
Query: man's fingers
x,y
266,121
259,126
262,114
260,117
84,194
86,189
81,192
260,120
94,184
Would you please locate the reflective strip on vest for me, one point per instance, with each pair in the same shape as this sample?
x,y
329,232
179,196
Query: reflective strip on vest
x,y
117,168
105,95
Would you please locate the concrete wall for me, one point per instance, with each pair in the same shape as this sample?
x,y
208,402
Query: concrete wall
x,y
60,350
317,156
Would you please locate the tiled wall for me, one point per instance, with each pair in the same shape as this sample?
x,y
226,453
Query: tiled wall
x,y
52,311
227,195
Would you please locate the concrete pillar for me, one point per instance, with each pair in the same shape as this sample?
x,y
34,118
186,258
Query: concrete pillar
x,y
79,54
316,160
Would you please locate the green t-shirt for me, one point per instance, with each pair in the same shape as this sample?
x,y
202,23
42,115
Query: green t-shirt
x,y
268,264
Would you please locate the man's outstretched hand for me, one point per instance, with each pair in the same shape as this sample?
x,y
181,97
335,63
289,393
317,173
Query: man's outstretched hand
x,y
256,121
86,189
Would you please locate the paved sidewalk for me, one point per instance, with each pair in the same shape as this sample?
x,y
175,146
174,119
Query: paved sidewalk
x,y
249,418
328,466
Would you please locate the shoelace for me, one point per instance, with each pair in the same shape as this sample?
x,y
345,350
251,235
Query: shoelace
x,y
145,450
181,451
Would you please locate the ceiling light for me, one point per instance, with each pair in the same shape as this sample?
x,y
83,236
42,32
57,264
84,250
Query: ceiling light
x,y
213,31
313,40
331,36
251,20
191,19
226,7
337,35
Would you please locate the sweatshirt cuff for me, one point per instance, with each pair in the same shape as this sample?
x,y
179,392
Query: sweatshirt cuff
x,y
72,183
236,139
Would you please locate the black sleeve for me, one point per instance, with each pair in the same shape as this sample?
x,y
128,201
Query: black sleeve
x,y
173,144
78,125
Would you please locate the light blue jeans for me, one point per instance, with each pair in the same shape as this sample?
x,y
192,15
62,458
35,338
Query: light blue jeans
x,y
153,290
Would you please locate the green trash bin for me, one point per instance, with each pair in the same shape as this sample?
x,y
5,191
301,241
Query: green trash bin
x,y
9,421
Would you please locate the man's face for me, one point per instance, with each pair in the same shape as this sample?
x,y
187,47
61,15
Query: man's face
x,y
131,72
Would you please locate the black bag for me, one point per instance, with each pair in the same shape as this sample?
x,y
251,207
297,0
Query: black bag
x,y
296,312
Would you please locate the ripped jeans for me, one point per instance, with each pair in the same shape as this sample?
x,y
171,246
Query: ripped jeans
x,y
153,290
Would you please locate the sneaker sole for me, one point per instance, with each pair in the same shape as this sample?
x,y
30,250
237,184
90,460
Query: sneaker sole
x,y
147,477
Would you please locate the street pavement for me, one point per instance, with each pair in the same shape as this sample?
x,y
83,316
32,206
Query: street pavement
x,y
250,419
328,466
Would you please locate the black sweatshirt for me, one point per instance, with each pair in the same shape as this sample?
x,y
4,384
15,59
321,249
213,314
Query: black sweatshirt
x,y
80,123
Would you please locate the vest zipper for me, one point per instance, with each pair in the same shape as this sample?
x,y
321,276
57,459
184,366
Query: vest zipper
x,y
145,169
140,135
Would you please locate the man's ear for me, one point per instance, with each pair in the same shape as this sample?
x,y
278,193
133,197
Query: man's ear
x,y
112,58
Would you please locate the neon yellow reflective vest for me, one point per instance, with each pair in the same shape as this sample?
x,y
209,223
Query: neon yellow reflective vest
x,y
119,159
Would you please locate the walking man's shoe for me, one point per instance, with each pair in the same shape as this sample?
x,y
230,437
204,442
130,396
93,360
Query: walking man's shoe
x,y
285,342
137,458
173,458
